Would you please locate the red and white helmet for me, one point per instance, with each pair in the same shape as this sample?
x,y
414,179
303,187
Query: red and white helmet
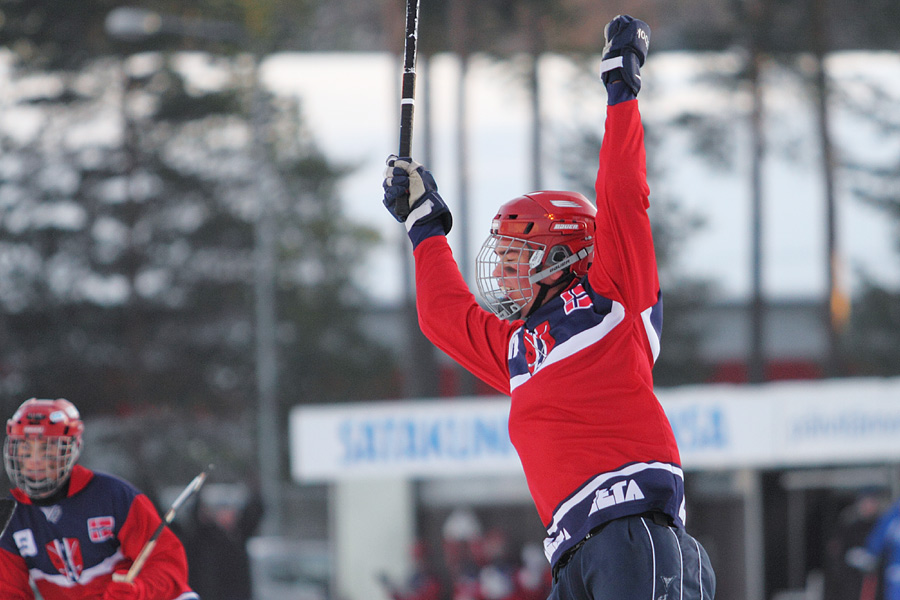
x,y
43,442
538,234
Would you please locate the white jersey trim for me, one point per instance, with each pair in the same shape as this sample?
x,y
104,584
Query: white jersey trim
x,y
652,336
571,346
105,567
88,575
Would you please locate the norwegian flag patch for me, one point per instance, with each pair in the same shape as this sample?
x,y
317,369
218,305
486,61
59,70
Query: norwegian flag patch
x,y
101,529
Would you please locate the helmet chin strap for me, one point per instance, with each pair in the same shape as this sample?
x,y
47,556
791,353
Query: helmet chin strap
x,y
563,264
563,281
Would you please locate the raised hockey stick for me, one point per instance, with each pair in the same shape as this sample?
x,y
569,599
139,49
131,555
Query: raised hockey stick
x,y
138,564
408,87
7,506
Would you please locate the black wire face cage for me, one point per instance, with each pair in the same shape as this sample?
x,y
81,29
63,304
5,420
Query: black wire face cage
x,y
40,466
506,295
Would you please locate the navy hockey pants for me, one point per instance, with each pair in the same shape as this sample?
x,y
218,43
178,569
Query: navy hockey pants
x,y
634,558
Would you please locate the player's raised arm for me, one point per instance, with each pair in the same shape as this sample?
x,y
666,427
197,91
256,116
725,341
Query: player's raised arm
x,y
625,260
448,312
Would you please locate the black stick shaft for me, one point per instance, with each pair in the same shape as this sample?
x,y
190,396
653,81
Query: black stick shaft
x,y
190,490
7,506
408,91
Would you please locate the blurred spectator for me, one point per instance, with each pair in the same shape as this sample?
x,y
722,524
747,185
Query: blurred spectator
x,y
462,538
479,564
496,577
880,547
423,584
496,583
533,580
216,546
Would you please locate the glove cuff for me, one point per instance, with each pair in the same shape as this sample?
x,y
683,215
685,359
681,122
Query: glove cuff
x,y
622,77
617,91
419,233
428,218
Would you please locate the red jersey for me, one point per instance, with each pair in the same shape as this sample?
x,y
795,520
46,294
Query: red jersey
x,y
593,439
71,548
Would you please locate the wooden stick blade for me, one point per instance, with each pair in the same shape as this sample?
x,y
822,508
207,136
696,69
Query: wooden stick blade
x,y
139,561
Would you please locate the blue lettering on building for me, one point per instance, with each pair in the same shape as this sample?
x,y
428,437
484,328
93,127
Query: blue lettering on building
x,y
699,428
844,425
405,440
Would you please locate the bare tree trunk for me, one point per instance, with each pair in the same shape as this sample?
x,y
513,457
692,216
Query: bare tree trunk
x,y
459,26
755,10
836,302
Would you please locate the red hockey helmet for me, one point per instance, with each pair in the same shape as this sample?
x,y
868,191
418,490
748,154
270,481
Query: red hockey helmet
x,y
532,237
43,442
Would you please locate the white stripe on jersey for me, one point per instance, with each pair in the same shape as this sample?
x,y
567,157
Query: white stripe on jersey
x,y
652,336
574,344
99,570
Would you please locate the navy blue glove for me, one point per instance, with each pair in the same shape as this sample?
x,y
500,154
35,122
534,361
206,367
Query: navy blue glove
x,y
411,196
627,43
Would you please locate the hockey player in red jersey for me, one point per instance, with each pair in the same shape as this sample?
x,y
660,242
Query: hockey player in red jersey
x,y
572,336
74,529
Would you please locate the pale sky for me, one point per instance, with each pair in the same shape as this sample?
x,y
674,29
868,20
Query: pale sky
x,y
351,103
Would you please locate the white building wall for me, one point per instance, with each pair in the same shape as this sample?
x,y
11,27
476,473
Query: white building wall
x,y
373,532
